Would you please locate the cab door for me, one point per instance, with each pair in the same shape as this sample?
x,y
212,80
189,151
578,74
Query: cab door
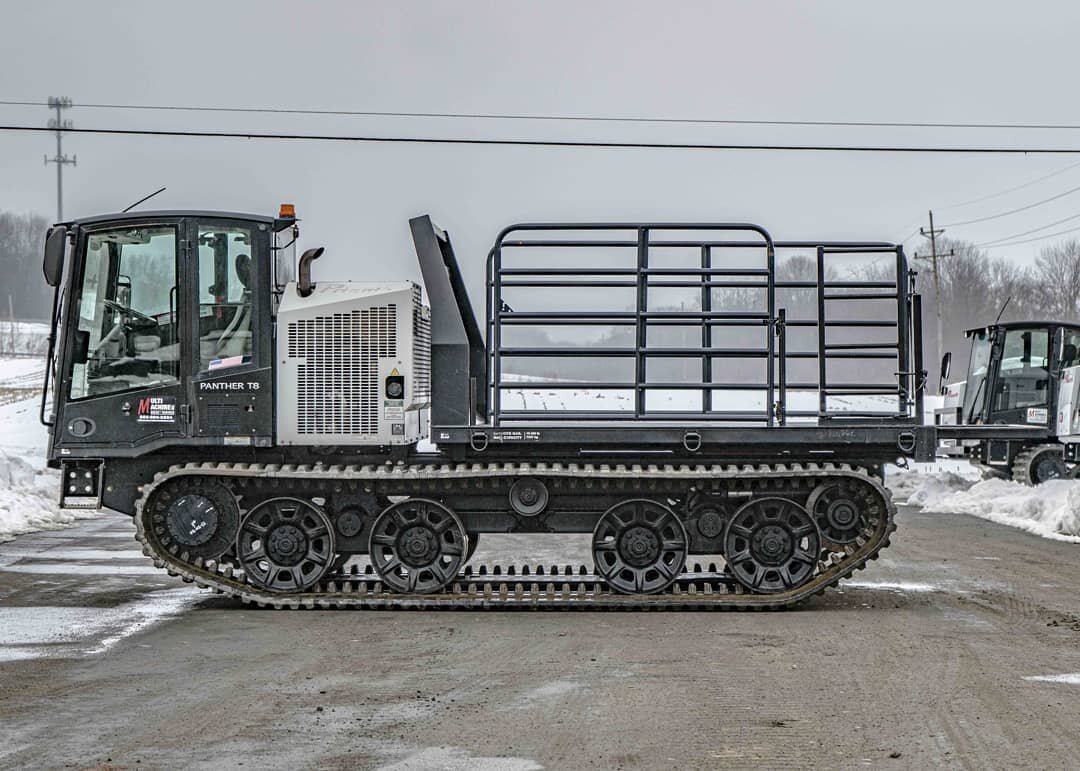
x,y
124,357
231,331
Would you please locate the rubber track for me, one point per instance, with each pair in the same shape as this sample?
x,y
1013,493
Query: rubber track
x,y
475,590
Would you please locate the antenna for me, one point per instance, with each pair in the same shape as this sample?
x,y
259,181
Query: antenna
x,y
142,200
1004,305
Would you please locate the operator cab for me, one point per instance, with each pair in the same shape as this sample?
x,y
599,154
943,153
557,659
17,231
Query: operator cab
x,y
167,332
1014,369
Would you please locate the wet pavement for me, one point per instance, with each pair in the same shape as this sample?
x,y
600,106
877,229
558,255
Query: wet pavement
x,y
960,647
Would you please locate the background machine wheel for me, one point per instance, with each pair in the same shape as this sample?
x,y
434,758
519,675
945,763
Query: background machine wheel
x,y
1035,465
639,546
417,545
285,545
772,545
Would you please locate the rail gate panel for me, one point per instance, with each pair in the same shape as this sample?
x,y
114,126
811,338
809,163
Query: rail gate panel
x,y
583,324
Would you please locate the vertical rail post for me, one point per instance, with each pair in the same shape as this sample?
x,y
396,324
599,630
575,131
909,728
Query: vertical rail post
x,y
706,327
905,380
920,373
781,342
641,336
770,373
496,345
822,383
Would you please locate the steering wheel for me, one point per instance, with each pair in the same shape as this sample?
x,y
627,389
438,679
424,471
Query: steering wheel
x,y
147,320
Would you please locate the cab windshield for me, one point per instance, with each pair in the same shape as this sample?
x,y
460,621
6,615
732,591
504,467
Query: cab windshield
x,y
978,367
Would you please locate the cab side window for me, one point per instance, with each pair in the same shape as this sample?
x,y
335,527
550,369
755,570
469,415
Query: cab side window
x,y
225,307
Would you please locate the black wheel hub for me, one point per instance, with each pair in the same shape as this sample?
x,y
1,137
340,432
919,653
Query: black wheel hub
x,y
772,545
710,523
192,519
843,510
639,546
418,546
286,545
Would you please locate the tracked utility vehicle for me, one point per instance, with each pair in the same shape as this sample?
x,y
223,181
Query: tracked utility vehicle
x,y
712,407
1021,400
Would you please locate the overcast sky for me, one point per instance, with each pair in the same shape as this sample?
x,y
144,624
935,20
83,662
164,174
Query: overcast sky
x,y
858,60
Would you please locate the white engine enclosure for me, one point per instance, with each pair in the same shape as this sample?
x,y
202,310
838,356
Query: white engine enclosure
x,y
1067,427
336,348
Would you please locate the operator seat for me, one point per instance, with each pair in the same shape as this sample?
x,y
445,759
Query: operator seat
x,y
235,339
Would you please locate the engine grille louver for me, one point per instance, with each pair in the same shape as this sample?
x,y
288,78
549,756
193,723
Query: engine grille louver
x,y
338,384
421,350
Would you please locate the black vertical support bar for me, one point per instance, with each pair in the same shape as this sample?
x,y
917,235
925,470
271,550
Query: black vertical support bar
x,y
639,319
770,372
822,383
781,344
492,386
496,332
920,373
706,327
905,381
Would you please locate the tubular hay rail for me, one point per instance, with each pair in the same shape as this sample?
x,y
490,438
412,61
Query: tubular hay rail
x,y
867,532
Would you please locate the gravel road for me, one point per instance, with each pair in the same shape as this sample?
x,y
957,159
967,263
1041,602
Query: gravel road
x,y
932,657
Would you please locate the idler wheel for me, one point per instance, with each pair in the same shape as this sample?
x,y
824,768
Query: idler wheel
x,y
417,545
285,545
639,546
772,545
841,509
194,516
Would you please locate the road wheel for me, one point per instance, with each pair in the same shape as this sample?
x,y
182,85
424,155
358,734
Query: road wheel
x,y
772,545
639,546
417,545
285,545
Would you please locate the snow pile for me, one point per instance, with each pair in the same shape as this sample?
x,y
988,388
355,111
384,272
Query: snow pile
x,y
1051,510
28,498
921,479
28,490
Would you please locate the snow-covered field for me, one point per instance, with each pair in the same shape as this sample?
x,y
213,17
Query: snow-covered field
x,y
28,490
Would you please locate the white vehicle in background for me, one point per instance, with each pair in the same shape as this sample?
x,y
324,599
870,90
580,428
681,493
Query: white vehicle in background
x,y
1021,387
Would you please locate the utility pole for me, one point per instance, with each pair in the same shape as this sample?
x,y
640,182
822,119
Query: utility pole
x,y
932,234
58,124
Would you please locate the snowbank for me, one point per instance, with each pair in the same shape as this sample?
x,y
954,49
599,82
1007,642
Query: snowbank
x,y
28,490
1051,510
28,498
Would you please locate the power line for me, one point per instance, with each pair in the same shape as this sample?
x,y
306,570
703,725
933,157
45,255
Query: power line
x,y
1027,232
1009,190
547,117
563,142
1014,211
1038,238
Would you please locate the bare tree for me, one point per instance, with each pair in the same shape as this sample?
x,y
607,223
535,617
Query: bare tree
x,y
1058,270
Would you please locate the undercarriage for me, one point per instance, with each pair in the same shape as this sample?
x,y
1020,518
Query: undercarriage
x,y
397,536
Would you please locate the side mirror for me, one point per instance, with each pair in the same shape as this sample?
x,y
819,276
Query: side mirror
x,y
53,264
946,368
